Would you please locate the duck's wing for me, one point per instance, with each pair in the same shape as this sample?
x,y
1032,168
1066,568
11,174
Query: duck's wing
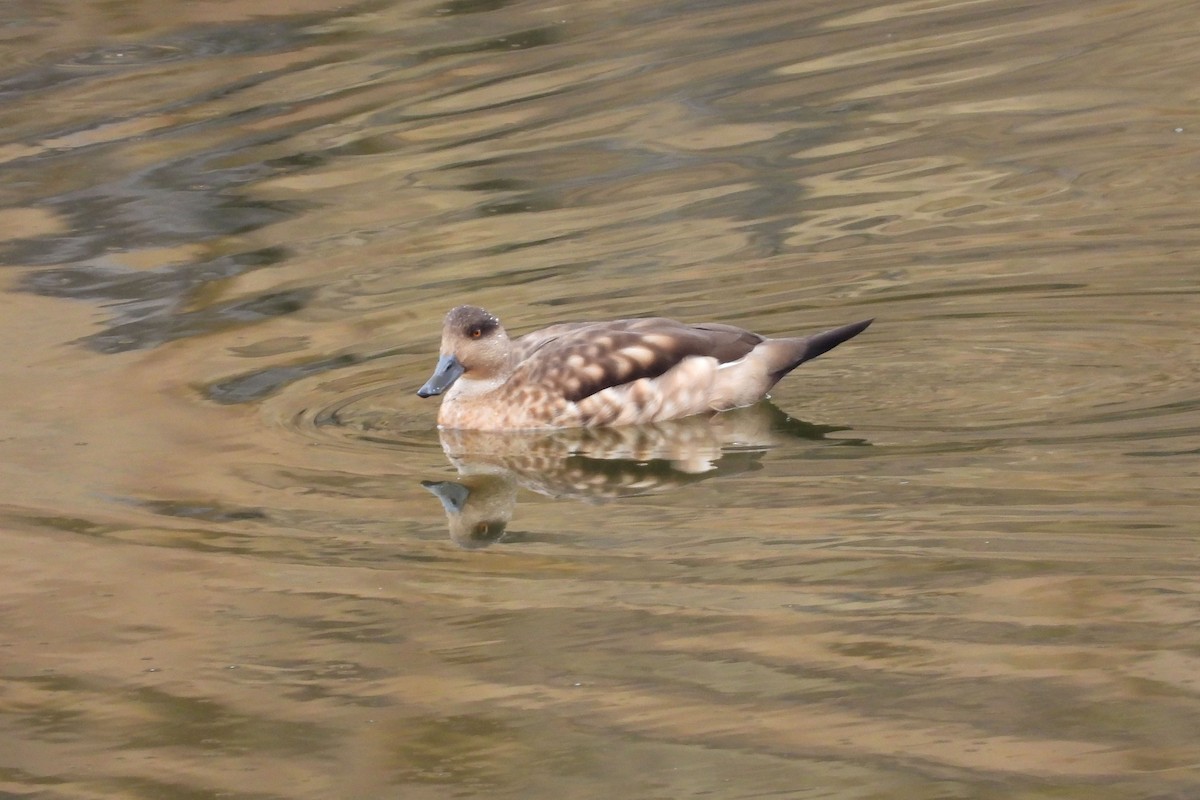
x,y
524,346
577,360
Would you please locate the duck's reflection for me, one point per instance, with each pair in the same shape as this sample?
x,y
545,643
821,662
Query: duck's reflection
x,y
478,507
600,463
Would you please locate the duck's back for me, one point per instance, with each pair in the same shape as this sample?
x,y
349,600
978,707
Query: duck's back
x,y
581,359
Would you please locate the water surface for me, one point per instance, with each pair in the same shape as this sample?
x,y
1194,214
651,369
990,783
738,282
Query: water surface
x,y
954,558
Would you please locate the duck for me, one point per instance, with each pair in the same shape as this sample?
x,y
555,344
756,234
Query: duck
x,y
618,372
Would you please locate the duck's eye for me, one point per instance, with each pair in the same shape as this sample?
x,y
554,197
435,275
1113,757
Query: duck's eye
x,y
476,333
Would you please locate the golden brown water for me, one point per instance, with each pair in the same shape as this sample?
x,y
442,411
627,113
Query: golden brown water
x,y
956,558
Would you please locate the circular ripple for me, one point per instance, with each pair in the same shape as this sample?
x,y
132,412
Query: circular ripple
x,y
131,55
373,416
355,405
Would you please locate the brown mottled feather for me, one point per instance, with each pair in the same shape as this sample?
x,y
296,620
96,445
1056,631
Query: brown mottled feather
x,y
636,348
524,346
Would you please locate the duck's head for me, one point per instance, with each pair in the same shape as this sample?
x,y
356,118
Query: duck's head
x,y
478,507
474,345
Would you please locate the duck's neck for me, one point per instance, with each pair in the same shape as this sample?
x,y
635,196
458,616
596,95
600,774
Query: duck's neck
x,y
470,388
472,385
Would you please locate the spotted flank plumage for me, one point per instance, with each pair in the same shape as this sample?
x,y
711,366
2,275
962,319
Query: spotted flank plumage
x,y
630,371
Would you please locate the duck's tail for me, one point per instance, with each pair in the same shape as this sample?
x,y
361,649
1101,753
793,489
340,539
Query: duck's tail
x,y
797,351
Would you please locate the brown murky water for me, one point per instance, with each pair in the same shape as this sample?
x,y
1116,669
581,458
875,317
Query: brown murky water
x,y
956,558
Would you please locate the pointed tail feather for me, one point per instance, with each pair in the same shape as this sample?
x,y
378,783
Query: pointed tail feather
x,y
821,343
824,342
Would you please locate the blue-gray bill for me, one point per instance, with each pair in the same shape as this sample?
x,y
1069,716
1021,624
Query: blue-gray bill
x,y
453,495
447,371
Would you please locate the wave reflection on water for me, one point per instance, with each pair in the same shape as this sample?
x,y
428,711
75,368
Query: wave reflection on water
x,y
233,229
